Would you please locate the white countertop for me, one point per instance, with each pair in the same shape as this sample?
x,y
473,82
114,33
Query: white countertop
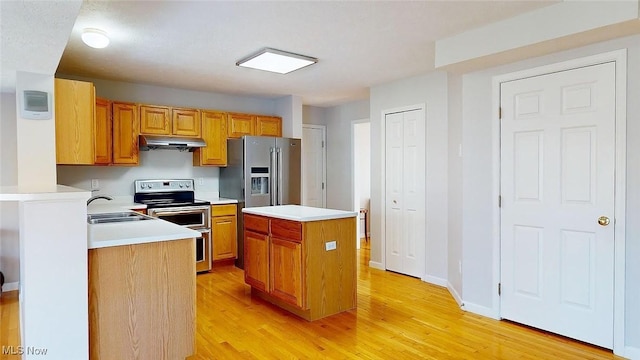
x,y
135,232
299,213
34,193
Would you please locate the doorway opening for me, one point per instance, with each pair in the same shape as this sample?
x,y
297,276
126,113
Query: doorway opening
x,y
361,175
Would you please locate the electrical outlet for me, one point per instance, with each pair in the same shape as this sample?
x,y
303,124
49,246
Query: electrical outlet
x,y
460,267
200,181
330,245
95,184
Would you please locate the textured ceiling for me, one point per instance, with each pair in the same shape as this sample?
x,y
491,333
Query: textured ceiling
x,y
195,44
33,36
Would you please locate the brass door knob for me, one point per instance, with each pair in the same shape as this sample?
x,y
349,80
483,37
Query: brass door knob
x,y
603,221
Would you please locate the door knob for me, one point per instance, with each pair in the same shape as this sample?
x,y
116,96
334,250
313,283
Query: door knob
x,y
603,221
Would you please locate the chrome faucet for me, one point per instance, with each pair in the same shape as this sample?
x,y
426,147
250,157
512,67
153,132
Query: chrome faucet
x,y
98,197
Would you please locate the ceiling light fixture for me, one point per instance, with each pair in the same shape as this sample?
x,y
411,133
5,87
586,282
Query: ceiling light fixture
x,y
278,61
95,38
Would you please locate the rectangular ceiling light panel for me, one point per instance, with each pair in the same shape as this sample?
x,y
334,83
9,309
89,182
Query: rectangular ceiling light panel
x,y
278,61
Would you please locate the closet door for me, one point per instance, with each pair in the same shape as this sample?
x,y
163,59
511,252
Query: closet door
x,y
405,192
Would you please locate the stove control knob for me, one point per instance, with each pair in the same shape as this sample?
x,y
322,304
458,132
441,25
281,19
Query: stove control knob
x,y
143,186
187,185
150,186
181,186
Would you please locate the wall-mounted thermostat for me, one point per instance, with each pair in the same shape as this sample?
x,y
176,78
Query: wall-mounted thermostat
x,y
36,105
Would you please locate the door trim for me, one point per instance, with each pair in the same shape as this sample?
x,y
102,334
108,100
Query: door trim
x,y
383,185
619,57
324,161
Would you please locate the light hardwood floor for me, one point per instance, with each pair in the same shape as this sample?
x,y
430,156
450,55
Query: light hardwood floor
x,y
398,317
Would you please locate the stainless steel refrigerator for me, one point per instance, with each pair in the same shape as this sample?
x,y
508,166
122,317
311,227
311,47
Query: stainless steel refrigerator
x,y
261,171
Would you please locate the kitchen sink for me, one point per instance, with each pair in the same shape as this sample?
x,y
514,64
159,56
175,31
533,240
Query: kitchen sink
x,y
115,217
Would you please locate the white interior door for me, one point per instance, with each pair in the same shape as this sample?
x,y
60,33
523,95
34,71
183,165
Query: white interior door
x,y
405,192
557,179
313,166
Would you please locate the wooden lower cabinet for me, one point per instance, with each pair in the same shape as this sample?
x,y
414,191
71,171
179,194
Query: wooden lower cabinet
x,y
286,263
142,301
224,229
286,276
256,260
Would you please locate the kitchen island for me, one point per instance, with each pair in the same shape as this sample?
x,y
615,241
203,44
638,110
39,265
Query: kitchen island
x,y
302,259
141,290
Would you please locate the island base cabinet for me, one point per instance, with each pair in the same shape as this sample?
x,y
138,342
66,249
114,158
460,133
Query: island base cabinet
x,y
289,264
142,301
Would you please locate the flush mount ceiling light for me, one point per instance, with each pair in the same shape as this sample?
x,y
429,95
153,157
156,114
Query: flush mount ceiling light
x,y
277,61
95,38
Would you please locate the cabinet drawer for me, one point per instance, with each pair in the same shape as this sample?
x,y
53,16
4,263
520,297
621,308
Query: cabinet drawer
x,y
221,210
256,223
286,229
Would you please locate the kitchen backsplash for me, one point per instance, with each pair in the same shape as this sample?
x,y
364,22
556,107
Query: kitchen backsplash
x,y
154,164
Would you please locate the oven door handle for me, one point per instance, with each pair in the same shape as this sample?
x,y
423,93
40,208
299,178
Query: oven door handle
x,y
173,212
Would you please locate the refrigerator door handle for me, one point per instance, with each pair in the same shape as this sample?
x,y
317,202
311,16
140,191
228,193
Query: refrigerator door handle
x,y
279,157
272,177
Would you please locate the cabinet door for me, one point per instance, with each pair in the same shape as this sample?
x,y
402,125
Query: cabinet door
x,y
155,120
268,126
103,137
75,116
286,274
240,125
214,133
185,122
225,243
125,133
256,260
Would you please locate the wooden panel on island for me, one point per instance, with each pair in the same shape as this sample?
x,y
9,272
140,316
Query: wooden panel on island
x,y
142,301
311,265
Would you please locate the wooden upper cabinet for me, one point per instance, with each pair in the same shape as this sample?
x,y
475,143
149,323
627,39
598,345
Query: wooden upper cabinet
x,y
126,128
214,133
164,120
268,126
185,122
103,138
239,125
155,120
75,122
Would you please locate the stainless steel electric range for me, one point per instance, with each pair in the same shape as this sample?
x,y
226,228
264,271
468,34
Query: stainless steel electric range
x,y
174,201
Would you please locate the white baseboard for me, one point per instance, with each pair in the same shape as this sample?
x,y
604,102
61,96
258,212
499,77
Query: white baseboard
x,y
435,280
376,265
455,294
12,286
480,310
632,353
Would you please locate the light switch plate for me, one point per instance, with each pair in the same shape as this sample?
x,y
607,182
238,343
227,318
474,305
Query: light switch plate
x,y
95,184
330,245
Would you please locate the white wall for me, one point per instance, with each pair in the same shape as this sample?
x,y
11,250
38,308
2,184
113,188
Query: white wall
x,y
290,109
9,226
339,168
477,178
36,146
454,258
154,164
314,115
431,90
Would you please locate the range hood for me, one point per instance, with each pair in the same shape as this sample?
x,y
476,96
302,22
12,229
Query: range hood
x,y
153,142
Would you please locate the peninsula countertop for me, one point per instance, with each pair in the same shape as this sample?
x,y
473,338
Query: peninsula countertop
x,y
299,213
